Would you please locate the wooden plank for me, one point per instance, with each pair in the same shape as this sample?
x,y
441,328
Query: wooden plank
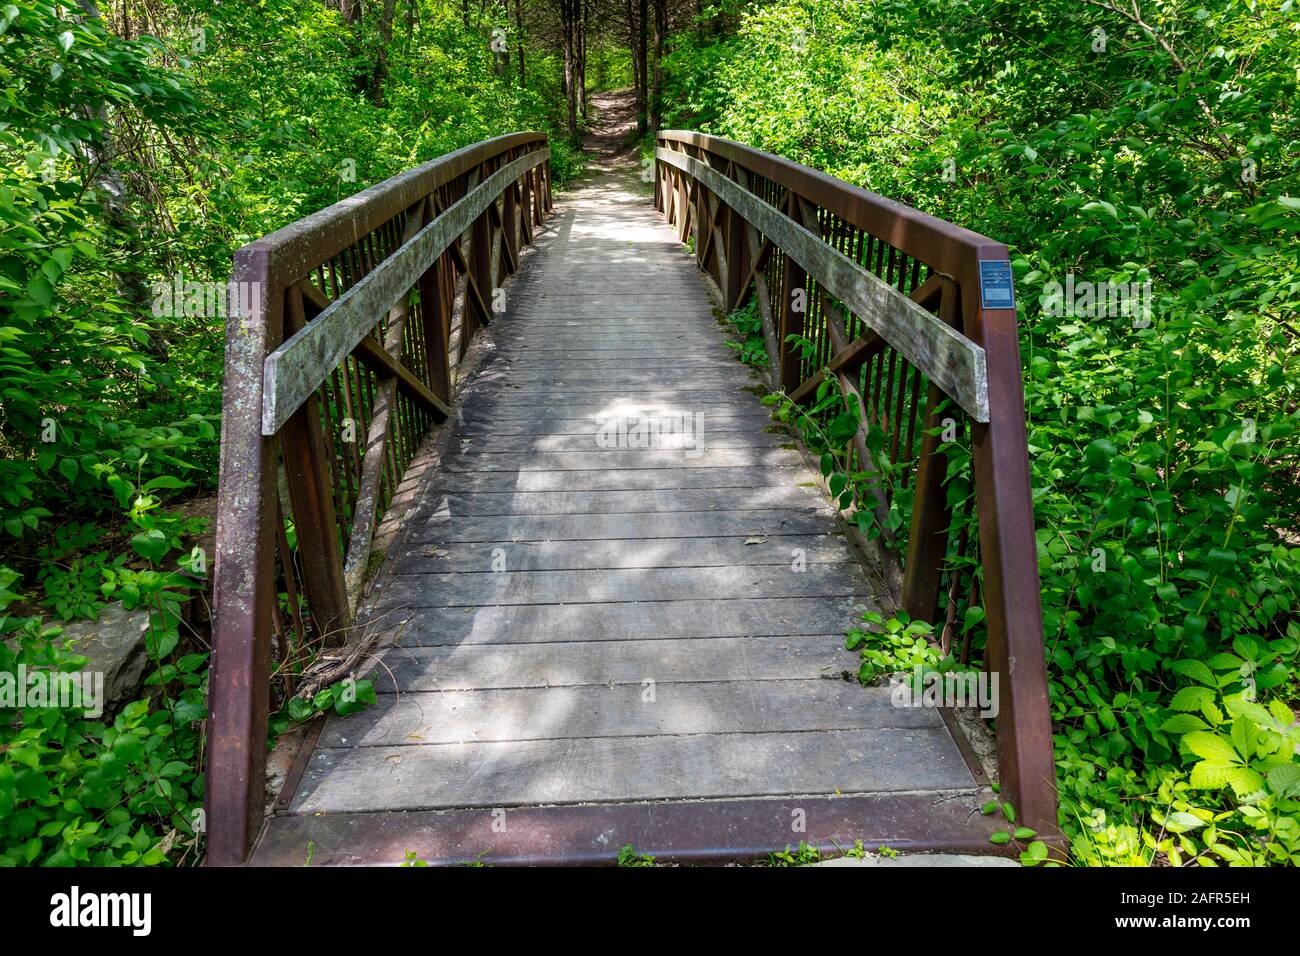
x,y
613,479
722,420
631,768
695,524
297,368
509,404
627,621
558,713
476,588
689,832
623,458
780,550
949,359
487,444
666,501
583,661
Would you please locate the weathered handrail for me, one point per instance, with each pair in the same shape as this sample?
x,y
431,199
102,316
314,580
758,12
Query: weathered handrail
x,y
897,304
339,360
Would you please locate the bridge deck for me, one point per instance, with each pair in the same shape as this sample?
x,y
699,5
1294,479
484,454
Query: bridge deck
x,y
612,644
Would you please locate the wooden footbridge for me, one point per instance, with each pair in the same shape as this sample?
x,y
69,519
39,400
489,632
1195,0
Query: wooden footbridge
x,y
496,457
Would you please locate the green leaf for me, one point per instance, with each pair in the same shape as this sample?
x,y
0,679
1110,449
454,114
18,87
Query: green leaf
x,y
151,545
1211,747
1182,822
1034,854
1184,723
1197,671
69,468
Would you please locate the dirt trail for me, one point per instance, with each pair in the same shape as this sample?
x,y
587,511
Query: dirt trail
x,y
611,139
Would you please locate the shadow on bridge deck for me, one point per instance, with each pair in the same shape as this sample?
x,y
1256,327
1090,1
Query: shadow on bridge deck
x,y
590,644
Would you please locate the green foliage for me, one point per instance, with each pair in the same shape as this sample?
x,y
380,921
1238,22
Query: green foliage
x,y
1132,144
347,696
76,790
802,856
750,346
132,167
896,645
628,856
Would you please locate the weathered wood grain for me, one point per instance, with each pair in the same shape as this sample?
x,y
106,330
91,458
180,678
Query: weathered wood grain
x,y
477,588
624,710
781,550
602,769
580,661
620,527
949,359
619,479
625,621
484,503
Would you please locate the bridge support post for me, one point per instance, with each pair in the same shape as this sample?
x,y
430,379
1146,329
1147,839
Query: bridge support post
x,y
794,295
315,521
510,223
737,256
927,539
480,273
244,588
1012,603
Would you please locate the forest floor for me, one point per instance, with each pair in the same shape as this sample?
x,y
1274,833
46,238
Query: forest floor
x,y
610,140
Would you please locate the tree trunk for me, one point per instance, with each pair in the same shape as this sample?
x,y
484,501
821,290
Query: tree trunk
x,y
115,207
582,56
519,42
642,118
568,16
381,58
656,93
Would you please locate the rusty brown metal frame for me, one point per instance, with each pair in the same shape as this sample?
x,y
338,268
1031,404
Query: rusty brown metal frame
x,y
735,254
278,271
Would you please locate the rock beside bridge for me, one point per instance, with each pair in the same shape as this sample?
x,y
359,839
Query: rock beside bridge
x,y
115,644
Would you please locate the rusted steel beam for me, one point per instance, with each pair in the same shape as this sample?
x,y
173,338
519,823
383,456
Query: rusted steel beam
x,y
478,268
1009,556
927,539
472,292
377,358
315,519
366,510
435,312
733,238
510,224
794,306
844,360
